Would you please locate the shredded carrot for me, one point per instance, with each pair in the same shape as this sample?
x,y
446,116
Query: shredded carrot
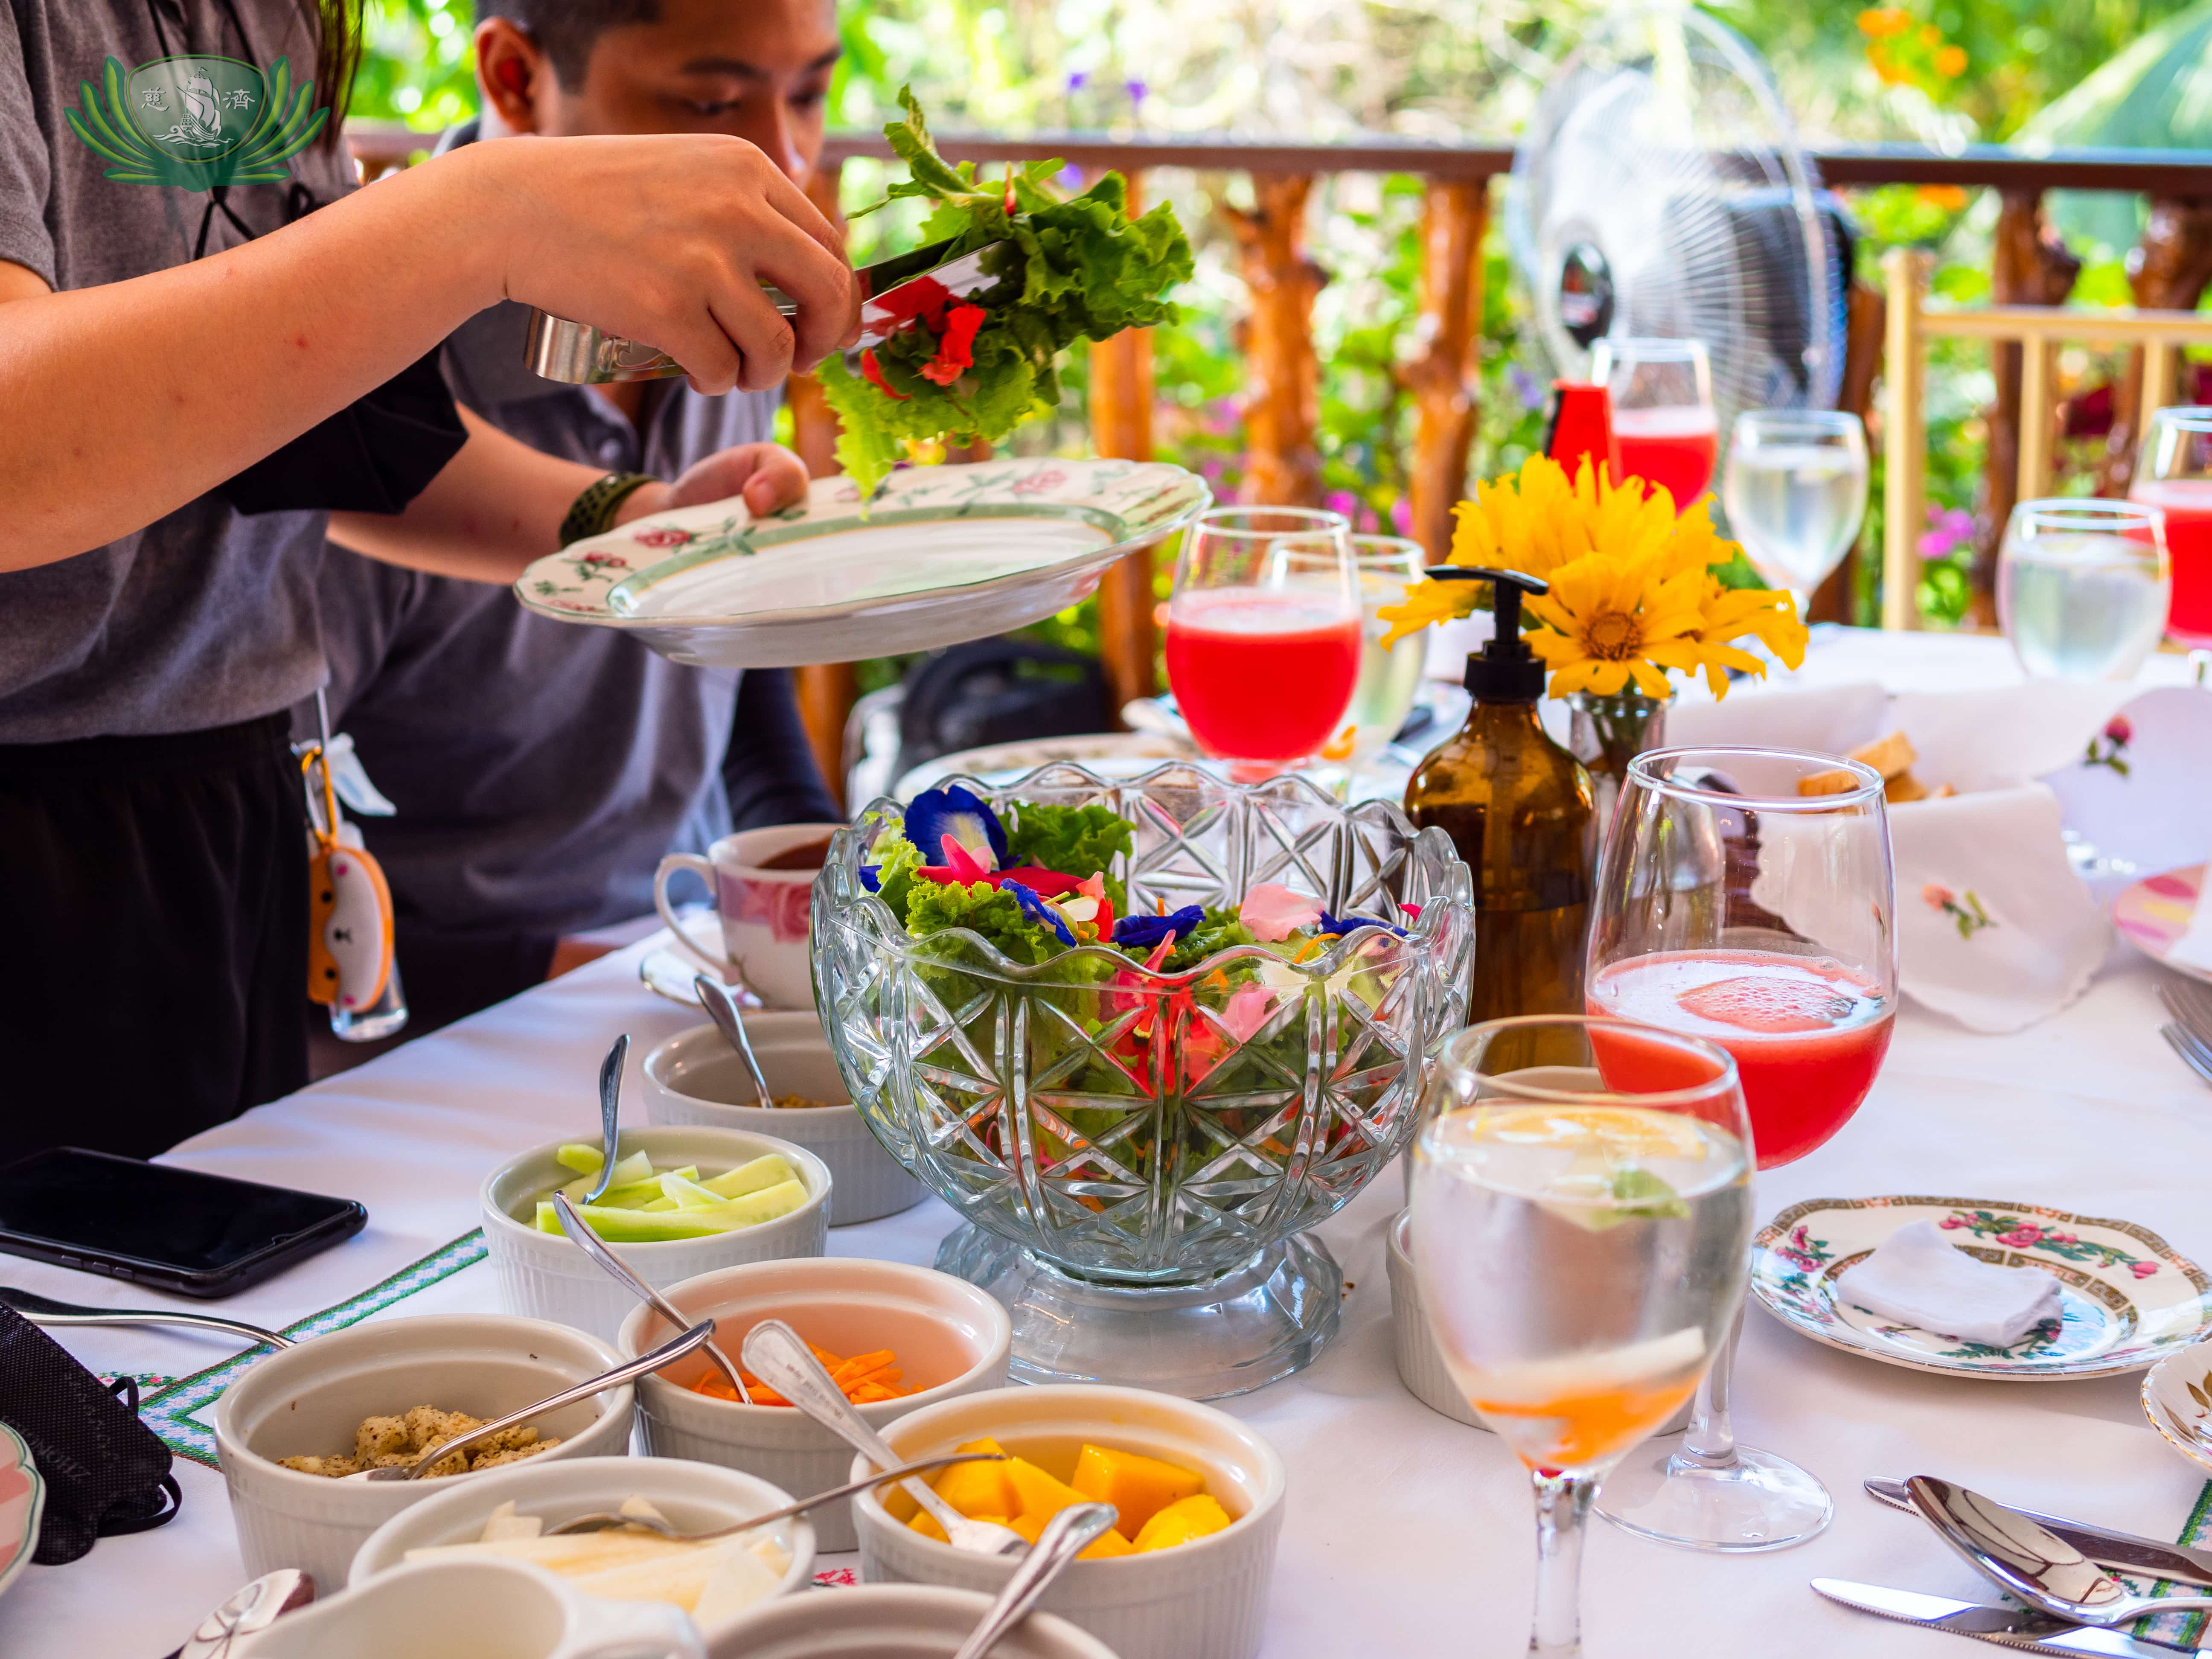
x,y
864,1379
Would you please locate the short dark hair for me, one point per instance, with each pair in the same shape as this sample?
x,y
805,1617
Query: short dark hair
x,y
567,30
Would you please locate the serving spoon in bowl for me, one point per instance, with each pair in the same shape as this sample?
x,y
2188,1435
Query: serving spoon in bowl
x,y
721,1006
580,1234
1064,1538
611,1072
612,1521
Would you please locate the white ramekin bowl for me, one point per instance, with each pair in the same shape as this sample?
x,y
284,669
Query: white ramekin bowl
x,y
545,1276
696,1078
1204,1600
695,1496
895,1621
947,1334
307,1401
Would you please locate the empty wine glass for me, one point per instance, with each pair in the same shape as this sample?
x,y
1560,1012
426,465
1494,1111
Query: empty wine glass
x,y
1662,412
1795,491
1388,680
2083,586
2173,473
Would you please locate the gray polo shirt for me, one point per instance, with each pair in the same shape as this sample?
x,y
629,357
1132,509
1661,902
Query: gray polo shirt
x,y
540,768
203,617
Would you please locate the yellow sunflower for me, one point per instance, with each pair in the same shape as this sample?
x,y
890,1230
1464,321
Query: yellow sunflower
x,y
1608,621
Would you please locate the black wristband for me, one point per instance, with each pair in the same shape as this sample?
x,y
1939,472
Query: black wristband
x,y
592,512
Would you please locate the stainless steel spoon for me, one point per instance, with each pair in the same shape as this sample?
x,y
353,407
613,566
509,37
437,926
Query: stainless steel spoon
x,y
609,1521
252,1607
721,1006
579,1231
45,1310
1062,1539
779,1357
611,1071
666,1354
2029,1561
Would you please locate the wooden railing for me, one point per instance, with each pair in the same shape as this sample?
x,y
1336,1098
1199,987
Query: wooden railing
x,y
2169,273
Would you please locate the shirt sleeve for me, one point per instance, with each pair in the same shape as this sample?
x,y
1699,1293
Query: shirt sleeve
x,y
770,771
25,165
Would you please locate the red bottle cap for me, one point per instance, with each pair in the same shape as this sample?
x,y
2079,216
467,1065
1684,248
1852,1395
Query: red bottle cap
x,y
1581,425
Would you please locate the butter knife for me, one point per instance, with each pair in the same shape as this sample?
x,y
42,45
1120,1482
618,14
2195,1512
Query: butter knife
x,y
2012,1628
2124,1550
892,291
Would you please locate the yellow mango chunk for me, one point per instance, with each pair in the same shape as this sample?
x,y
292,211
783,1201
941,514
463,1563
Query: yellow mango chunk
x,y
1040,1495
926,1524
1139,1487
1183,1521
1105,1547
978,1489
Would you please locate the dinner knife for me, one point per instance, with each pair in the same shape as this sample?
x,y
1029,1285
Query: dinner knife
x,y
2125,1551
2012,1628
893,292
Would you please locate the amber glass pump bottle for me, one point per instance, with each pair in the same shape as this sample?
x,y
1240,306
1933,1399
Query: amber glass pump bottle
x,y
1517,806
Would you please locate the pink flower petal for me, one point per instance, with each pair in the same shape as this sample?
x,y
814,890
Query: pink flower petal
x,y
1273,912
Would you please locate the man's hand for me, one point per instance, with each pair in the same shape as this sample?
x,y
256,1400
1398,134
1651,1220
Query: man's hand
x,y
768,476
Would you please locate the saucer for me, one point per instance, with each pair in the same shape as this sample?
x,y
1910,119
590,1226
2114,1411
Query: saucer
x,y
2130,1299
2177,1397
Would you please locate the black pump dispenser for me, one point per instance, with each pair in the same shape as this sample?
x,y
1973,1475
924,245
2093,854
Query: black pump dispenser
x,y
1505,669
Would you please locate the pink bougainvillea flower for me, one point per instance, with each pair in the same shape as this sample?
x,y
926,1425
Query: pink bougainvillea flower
x,y
1248,1010
1273,912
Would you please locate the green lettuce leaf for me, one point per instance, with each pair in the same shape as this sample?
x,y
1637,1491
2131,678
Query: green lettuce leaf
x,y
1220,930
1076,840
899,859
933,906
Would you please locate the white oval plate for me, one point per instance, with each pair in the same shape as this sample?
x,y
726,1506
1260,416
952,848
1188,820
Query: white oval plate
x,y
23,1502
942,554
2129,1298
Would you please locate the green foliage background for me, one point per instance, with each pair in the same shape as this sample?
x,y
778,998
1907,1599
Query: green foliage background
x,y
1942,71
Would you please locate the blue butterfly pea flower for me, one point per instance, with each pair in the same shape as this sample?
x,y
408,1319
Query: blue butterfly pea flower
x,y
1037,910
872,879
936,813
1145,932
1330,924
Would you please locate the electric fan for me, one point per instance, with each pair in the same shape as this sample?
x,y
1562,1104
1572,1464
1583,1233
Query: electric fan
x,y
1659,190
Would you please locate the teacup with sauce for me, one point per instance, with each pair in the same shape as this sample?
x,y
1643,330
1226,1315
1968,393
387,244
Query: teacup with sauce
x,y
762,881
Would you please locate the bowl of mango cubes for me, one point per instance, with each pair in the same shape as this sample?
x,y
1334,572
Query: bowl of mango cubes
x,y
685,1199
1199,1497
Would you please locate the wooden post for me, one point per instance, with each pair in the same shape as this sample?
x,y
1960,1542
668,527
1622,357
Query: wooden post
x,y
1454,214
2168,270
1834,600
827,691
1903,435
2028,266
1282,406
2038,406
1122,430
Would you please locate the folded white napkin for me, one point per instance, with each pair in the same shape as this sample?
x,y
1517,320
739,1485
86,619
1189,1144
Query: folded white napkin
x,y
1916,1277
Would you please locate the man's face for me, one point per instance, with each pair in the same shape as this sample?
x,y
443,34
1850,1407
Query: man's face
x,y
757,69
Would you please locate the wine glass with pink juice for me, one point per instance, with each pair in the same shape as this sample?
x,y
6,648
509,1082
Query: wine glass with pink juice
x,y
1662,412
1746,896
1263,633
2174,473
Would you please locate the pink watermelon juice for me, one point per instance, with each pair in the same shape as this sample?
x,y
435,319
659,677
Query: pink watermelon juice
x,y
1262,674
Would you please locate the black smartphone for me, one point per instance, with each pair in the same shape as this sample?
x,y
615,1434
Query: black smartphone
x,y
175,1230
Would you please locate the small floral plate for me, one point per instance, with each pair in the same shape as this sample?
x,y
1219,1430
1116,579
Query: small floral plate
x,y
938,555
2155,914
2129,1300
2177,1397
23,1502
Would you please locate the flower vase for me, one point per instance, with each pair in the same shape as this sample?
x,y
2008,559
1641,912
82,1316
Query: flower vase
x,y
1606,733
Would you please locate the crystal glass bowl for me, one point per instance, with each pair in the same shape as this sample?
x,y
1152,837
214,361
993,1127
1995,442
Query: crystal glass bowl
x,y
1136,1153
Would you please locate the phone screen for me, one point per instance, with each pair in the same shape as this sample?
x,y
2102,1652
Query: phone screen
x,y
191,1223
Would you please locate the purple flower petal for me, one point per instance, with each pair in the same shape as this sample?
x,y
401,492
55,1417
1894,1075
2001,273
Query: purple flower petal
x,y
1144,932
936,813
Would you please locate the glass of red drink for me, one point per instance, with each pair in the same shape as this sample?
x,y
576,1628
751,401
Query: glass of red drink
x,y
2174,473
1263,633
1746,896
1662,412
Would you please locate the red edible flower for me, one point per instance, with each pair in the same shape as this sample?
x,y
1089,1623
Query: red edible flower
x,y
924,297
956,349
873,372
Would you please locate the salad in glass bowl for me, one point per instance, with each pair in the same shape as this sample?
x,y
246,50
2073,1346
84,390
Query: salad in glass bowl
x,y
1141,1034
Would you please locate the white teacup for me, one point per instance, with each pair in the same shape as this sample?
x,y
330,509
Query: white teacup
x,y
763,911
476,1609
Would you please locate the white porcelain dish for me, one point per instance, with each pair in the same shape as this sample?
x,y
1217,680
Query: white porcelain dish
x,y
545,1276
938,555
697,1077
1204,1600
307,1401
946,1333
2177,1397
695,1497
896,1621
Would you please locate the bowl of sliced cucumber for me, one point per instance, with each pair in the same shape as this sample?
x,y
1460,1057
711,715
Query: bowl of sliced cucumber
x,y
685,1199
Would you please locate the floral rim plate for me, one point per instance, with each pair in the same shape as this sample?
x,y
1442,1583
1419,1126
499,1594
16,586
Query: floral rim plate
x,y
938,555
23,1502
2130,1299
2177,1397
2155,912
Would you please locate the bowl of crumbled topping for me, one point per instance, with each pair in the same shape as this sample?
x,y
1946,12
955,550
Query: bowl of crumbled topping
x,y
381,1442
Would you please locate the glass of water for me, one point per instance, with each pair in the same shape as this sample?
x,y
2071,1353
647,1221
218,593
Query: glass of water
x,y
1795,491
2082,587
1388,680
1580,1234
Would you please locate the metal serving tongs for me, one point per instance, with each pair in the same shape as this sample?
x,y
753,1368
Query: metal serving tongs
x,y
893,292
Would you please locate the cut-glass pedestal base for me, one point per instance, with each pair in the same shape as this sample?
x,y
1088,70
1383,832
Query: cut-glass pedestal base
x,y
1755,1502
1230,1334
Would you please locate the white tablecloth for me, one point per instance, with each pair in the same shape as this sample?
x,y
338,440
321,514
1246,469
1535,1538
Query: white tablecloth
x,y
1407,1534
